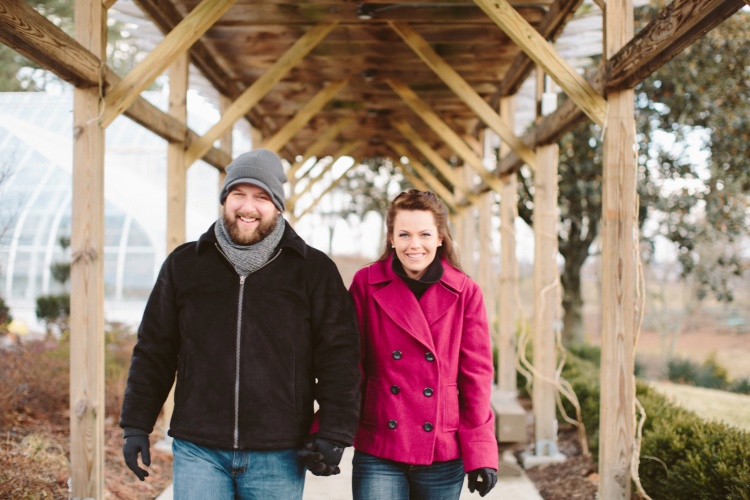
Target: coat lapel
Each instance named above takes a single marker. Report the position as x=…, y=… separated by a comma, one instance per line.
x=437, y=301
x=400, y=304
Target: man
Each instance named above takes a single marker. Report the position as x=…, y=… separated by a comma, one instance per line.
x=257, y=325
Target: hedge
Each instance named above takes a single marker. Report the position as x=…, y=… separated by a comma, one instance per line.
x=682, y=455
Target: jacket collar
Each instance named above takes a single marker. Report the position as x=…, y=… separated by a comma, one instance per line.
x=290, y=239
x=382, y=271
x=415, y=317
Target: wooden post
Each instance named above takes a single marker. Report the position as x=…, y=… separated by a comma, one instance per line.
x=87, y=270
x=508, y=289
x=619, y=252
x=226, y=143
x=176, y=173
x=485, y=271
x=176, y=192
x=468, y=228
x=457, y=222
x=546, y=299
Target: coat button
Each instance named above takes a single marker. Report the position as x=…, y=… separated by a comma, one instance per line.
x=397, y=354
x=428, y=392
x=395, y=389
x=427, y=426
x=392, y=424
x=430, y=357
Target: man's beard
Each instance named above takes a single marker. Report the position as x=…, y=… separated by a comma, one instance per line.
x=239, y=238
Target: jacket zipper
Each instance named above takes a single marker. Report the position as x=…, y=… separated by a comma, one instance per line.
x=236, y=435
x=237, y=367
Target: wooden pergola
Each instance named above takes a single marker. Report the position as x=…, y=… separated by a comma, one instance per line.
x=417, y=81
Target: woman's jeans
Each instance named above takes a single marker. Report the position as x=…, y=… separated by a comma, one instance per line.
x=202, y=473
x=375, y=478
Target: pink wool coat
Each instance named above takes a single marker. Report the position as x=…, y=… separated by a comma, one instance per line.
x=427, y=369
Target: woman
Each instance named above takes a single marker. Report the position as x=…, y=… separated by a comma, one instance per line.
x=427, y=365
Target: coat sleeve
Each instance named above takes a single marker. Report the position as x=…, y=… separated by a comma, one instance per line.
x=476, y=431
x=154, y=361
x=335, y=356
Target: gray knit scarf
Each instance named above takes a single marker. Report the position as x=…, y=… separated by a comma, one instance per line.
x=248, y=258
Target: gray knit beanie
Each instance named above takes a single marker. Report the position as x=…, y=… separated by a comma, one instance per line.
x=259, y=167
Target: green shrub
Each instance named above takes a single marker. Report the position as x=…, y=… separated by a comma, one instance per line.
x=682, y=456
x=693, y=458
x=740, y=386
x=682, y=371
x=710, y=374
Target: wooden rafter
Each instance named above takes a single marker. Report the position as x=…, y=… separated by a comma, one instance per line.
x=568, y=114
x=424, y=173
x=304, y=115
x=260, y=88
x=52, y=49
x=463, y=90
x=545, y=55
x=411, y=177
x=345, y=150
x=177, y=41
x=549, y=28
x=329, y=188
x=676, y=26
x=165, y=16
x=445, y=132
x=320, y=143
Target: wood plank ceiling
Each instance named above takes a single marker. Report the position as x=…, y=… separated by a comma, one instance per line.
x=365, y=51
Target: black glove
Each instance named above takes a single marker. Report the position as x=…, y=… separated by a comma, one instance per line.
x=482, y=480
x=136, y=441
x=322, y=457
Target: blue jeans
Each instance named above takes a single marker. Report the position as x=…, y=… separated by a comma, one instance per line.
x=375, y=478
x=202, y=473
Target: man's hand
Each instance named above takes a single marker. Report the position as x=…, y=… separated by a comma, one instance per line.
x=322, y=457
x=136, y=441
x=482, y=480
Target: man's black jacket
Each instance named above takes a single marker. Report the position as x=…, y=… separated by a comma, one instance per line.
x=247, y=352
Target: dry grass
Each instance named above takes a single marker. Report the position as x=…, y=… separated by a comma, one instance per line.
x=709, y=404
x=34, y=424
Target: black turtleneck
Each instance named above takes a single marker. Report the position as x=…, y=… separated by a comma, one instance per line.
x=432, y=275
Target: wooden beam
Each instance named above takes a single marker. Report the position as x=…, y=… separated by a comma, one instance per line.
x=445, y=132
x=619, y=273
x=424, y=173
x=35, y=37
x=675, y=27
x=620, y=67
x=345, y=150
x=549, y=28
x=304, y=115
x=320, y=144
x=327, y=190
x=177, y=41
x=87, y=403
x=463, y=90
x=413, y=178
x=260, y=88
x=432, y=156
x=545, y=55
x=166, y=16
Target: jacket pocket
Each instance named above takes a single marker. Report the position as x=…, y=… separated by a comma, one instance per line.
x=371, y=406
x=450, y=407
